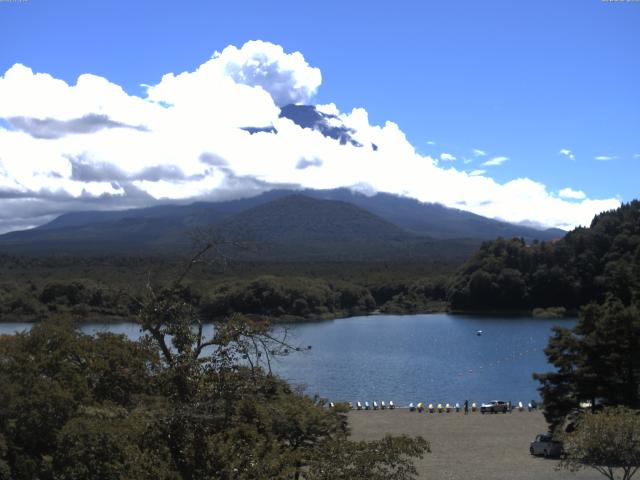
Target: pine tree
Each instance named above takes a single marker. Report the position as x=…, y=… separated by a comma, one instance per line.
x=598, y=361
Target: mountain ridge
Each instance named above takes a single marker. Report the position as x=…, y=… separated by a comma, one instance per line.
x=410, y=214
x=329, y=223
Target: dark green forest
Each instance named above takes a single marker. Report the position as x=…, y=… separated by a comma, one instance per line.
x=586, y=266
x=101, y=288
x=597, y=269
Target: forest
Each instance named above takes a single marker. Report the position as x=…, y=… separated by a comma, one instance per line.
x=585, y=266
x=100, y=288
x=591, y=394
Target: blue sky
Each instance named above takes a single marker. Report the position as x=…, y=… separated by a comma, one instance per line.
x=522, y=80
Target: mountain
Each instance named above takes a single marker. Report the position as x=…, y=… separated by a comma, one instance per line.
x=430, y=219
x=309, y=224
x=286, y=228
x=308, y=116
x=435, y=220
x=298, y=227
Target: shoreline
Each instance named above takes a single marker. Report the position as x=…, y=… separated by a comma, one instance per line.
x=291, y=319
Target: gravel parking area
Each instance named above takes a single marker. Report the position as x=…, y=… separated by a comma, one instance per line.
x=469, y=447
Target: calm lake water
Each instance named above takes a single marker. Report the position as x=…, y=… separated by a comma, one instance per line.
x=411, y=358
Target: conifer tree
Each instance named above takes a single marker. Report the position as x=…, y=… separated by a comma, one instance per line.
x=598, y=361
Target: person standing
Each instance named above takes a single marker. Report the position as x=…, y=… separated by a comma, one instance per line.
x=466, y=407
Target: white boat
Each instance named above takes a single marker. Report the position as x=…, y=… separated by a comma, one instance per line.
x=332, y=405
x=439, y=408
x=474, y=407
x=382, y=405
x=447, y=408
x=412, y=407
x=420, y=407
x=520, y=406
x=457, y=407
x=375, y=405
x=359, y=405
x=366, y=405
x=391, y=405
x=478, y=332
x=431, y=408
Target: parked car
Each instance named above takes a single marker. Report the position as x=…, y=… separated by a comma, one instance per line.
x=544, y=444
x=494, y=406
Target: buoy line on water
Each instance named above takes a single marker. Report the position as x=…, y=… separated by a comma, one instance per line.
x=501, y=361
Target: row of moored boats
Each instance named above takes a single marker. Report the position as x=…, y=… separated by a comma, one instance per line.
x=373, y=405
x=422, y=407
x=447, y=407
x=439, y=408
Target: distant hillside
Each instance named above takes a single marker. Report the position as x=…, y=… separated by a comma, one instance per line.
x=339, y=224
x=585, y=266
x=291, y=228
x=429, y=219
x=195, y=214
x=298, y=227
x=433, y=219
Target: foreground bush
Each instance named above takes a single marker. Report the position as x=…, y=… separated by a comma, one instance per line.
x=175, y=405
x=607, y=441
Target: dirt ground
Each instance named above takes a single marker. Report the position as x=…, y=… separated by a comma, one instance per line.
x=469, y=447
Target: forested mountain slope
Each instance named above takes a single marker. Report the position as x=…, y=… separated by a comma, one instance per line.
x=433, y=219
x=585, y=266
x=167, y=227
x=294, y=227
x=300, y=228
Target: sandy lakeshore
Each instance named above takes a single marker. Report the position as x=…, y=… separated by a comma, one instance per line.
x=471, y=447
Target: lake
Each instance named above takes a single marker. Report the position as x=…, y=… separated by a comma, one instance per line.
x=435, y=358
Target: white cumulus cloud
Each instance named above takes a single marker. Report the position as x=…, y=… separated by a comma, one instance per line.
x=572, y=194
x=447, y=157
x=605, y=158
x=495, y=161
x=90, y=145
x=567, y=153
x=479, y=153
x=287, y=77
